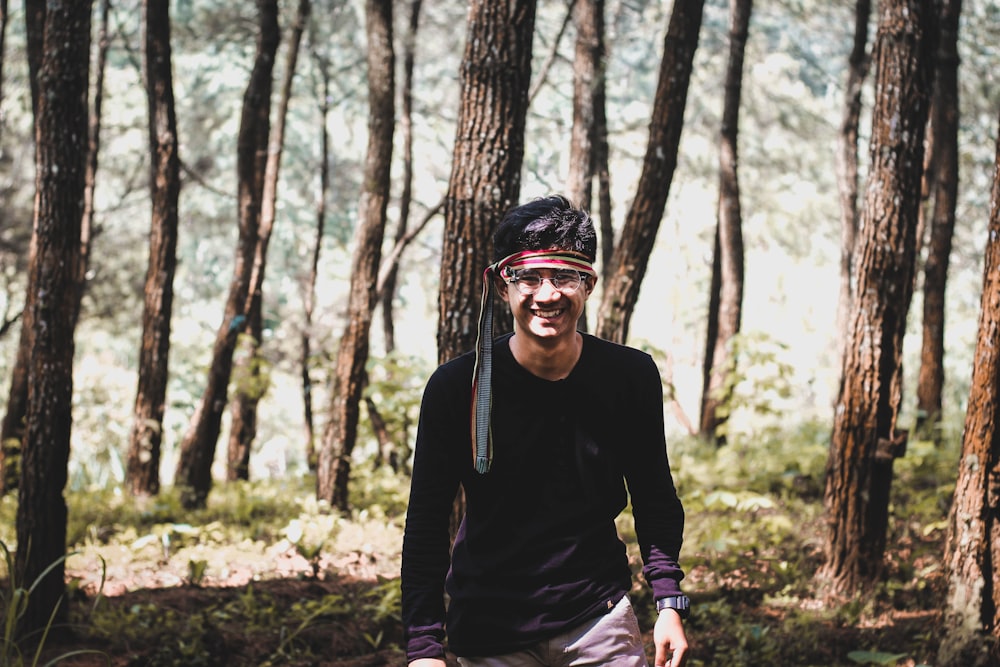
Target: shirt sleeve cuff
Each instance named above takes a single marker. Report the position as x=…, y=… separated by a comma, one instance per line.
x=666, y=587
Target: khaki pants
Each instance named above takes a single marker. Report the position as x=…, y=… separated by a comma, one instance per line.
x=611, y=640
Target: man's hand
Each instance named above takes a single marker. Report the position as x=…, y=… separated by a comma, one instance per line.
x=668, y=636
x=428, y=662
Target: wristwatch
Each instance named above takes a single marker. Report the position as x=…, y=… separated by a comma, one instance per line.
x=679, y=603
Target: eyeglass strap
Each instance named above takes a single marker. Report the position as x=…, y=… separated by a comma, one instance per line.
x=482, y=375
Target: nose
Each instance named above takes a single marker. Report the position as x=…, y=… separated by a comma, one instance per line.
x=546, y=291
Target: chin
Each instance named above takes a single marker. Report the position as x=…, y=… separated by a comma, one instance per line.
x=548, y=330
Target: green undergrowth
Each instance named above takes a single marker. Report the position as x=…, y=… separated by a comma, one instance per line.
x=753, y=543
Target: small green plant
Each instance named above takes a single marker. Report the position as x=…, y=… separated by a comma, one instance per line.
x=309, y=536
x=14, y=604
x=196, y=571
x=385, y=600
x=311, y=614
x=875, y=658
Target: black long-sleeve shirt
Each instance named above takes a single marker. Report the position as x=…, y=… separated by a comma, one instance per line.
x=537, y=552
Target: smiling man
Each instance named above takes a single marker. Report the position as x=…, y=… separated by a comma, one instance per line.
x=549, y=432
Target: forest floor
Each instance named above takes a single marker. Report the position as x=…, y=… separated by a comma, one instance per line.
x=899, y=632
x=266, y=577
x=894, y=634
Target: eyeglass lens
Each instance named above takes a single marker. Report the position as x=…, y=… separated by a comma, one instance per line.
x=529, y=282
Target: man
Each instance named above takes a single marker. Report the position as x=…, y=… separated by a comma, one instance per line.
x=543, y=429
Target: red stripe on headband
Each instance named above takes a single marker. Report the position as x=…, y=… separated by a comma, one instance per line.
x=555, y=259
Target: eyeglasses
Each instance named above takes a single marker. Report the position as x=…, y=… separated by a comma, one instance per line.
x=530, y=281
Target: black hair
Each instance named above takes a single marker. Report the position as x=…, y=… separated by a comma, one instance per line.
x=543, y=223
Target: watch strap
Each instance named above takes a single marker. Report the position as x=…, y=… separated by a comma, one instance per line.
x=679, y=603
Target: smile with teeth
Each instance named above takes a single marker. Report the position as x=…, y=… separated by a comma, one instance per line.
x=548, y=313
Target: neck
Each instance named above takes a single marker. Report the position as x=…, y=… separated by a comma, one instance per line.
x=549, y=362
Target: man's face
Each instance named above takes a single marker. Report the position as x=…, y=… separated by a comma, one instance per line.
x=550, y=314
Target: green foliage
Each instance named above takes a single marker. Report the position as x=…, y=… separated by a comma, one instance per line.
x=196, y=571
x=251, y=371
x=870, y=658
x=395, y=386
x=379, y=493
x=383, y=605
x=14, y=601
x=192, y=637
x=757, y=385
x=753, y=541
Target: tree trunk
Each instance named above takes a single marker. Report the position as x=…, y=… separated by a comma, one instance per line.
x=249, y=385
x=603, y=172
x=486, y=163
x=34, y=33
x=388, y=295
x=386, y=447
x=729, y=238
x=194, y=467
x=588, y=15
x=252, y=382
x=146, y=438
x=309, y=295
x=588, y=65
x=486, y=166
x=943, y=177
x=631, y=255
x=340, y=435
x=707, y=431
x=87, y=231
x=60, y=165
x=864, y=439
x=847, y=165
x=972, y=546
x=12, y=428
x=4, y=14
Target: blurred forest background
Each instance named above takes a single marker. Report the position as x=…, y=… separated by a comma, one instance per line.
x=785, y=387
x=792, y=97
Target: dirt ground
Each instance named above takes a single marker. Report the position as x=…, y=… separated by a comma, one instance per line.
x=342, y=646
x=285, y=578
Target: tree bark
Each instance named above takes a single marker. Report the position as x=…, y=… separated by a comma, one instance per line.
x=707, y=431
x=60, y=165
x=631, y=255
x=4, y=15
x=486, y=166
x=146, y=437
x=34, y=32
x=971, y=631
x=588, y=65
x=309, y=293
x=194, y=467
x=943, y=177
x=388, y=295
x=340, y=435
x=603, y=173
x=251, y=380
x=729, y=239
x=87, y=230
x=486, y=163
x=588, y=61
x=12, y=428
x=865, y=439
x=847, y=164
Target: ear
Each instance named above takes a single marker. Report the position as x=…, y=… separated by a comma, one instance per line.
x=500, y=287
x=589, y=283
